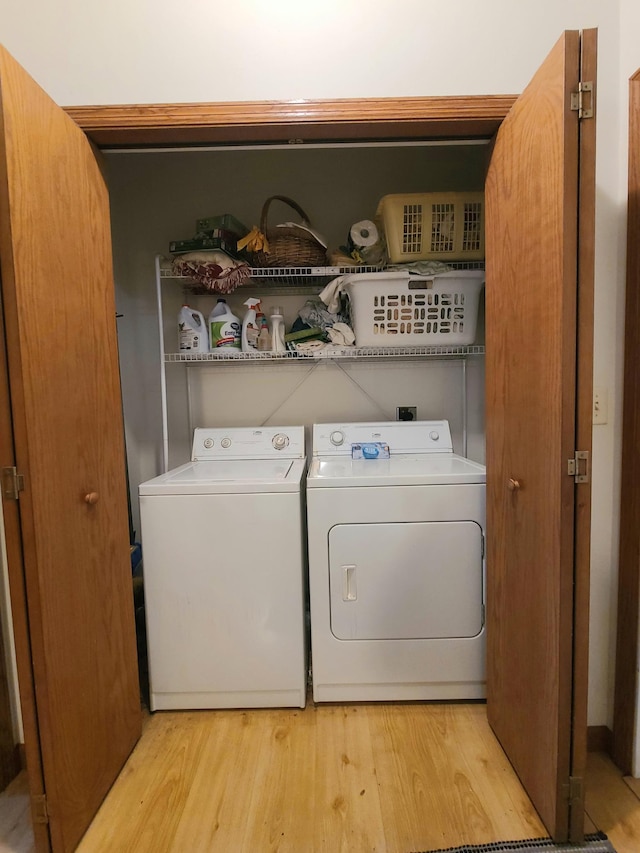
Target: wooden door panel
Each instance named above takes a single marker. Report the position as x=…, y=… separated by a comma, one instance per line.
x=20, y=623
x=59, y=309
x=531, y=292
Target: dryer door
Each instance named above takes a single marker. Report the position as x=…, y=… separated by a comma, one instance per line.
x=410, y=580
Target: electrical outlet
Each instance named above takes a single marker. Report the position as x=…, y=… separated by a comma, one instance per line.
x=600, y=406
x=406, y=413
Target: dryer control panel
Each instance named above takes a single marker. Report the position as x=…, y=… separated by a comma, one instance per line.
x=401, y=436
x=211, y=443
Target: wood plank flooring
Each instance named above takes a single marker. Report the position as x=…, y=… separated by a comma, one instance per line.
x=358, y=778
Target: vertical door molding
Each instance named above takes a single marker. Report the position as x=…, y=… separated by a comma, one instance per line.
x=625, y=700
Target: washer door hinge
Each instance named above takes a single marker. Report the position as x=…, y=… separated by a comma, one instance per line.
x=578, y=467
x=39, y=808
x=12, y=483
x=582, y=100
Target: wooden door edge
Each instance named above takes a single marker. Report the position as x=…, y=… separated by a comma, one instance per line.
x=20, y=618
x=584, y=426
x=625, y=693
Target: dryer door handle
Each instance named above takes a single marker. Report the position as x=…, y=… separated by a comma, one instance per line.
x=349, y=590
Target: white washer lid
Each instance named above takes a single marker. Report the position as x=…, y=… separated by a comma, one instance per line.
x=228, y=476
x=406, y=469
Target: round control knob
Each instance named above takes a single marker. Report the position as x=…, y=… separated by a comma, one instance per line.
x=337, y=438
x=226, y=442
x=433, y=435
x=280, y=441
x=208, y=442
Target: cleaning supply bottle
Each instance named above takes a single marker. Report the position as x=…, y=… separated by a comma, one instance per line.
x=250, y=327
x=224, y=327
x=277, y=330
x=192, y=331
x=264, y=338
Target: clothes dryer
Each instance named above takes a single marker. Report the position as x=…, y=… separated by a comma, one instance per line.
x=396, y=564
x=224, y=573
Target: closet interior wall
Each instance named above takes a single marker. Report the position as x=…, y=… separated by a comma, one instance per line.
x=156, y=197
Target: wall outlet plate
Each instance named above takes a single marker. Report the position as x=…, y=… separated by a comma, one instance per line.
x=600, y=406
x=406, y=413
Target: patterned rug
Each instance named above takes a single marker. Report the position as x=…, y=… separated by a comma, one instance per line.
x=596, y=843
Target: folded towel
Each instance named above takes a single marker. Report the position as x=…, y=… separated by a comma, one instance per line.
x=212, y=270
x=331, y=294
x=341, y=334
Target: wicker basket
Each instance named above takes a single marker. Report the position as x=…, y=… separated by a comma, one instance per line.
x=288, y=247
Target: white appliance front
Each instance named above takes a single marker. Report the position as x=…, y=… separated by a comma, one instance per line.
x=224, y=577
x=417, y=580
x=396, y=568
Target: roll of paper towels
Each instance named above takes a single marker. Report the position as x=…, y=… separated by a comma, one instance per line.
x=363, y=234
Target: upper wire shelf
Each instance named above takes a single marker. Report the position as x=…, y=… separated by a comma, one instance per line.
x=299, y=277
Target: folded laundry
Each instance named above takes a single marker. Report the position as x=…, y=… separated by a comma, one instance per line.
x=212, y=270
x=316, y=314
x=341, y=334
x=331, y=294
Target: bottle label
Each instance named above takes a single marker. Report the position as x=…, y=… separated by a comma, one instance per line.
x=224, y=334
x=252, y=336
x=188, y=338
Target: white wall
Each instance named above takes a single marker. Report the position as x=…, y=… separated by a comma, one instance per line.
x=146, y=51
x=165, y=51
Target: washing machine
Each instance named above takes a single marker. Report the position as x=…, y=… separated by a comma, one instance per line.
x=396, y=525
x=225, y=573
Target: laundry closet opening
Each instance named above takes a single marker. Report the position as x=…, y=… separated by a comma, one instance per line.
x=156, y=197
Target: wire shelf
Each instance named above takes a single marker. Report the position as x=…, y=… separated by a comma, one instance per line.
x=296, y=277
x=342, y=353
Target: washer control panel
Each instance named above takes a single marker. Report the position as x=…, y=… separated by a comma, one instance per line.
x=401, y=436
x=247, y=443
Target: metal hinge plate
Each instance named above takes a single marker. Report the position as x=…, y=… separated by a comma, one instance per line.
x=39, y=808
x=12, y=483
x=574, y=790
x=582, y=100
x=578, y=467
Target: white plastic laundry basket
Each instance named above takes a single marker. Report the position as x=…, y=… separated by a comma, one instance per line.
x=397, y=309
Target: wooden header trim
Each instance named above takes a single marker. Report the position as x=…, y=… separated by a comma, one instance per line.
x=284, y=121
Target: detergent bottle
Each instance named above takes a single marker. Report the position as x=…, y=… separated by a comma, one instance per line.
x=224, y=327
x=277, y=330
x=192, y=331
x=251, y=326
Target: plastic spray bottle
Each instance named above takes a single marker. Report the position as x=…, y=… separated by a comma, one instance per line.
x=250, y=326
x=264, y=338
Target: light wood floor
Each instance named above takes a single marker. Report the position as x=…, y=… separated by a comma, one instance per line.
x=358, y=778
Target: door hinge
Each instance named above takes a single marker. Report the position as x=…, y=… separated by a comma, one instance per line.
x=39, y=808
x=578, y=467
x=582, y=100
x=12, y=483
x=574, y=790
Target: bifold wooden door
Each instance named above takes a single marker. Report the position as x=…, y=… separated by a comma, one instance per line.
x=65, y=402
x=68, y=525
x=539, y=327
